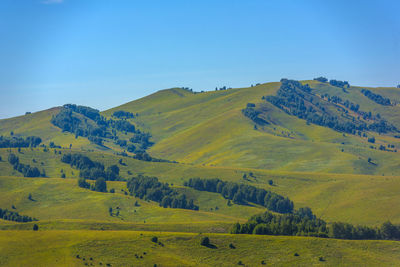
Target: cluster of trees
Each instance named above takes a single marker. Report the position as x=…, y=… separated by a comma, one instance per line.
x=89, y=112
x=146, y=157
x=122, y=125
x=142, y=138
x=138, y=143
x=53, y=145
x=121, y=114
x=302, y=223
x=69, y=120
x=242, y=193
x=223, y=88
x=25, y=169
x=376, y=97
x=297, y=99
x=150, y=188
x=90, y=169
x=380, y=125
x=189, y=89
x=321, y=79
x=87, y=122
x=341, y=84
x=338, y=100
x=10, y=142
x=99, y=185
x=14, y=216
x=348, y=231
x=253, y=114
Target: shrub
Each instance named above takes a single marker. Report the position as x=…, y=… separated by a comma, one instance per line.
x=205, y=241
x=154, y=239
x=35, y=227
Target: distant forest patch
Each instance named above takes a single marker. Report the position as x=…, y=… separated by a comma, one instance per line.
x=376, y=97
x=332, y=112
x=304, y=223
x=149, y=188
x=88, y=122
x=14, y=216
x=242, y=193
x=12, y=142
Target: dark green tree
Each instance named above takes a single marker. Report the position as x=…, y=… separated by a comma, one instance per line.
x=100, y=185
x=205, y=241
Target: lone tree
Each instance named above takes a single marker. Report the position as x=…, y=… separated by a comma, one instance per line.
x=154, y=239
x=205, y=241
x=35, y=227
x=100, y=185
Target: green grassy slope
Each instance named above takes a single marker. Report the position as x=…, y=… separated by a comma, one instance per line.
x=38, y=124
x=209, y=128
x=210, y=137
x=118, y=248
x=62, y=199
x=359, y=199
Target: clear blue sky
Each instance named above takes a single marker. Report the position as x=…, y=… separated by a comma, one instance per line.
x=105, y=53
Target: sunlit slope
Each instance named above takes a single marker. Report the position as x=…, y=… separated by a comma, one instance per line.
x=353, y=94
x=357, y=199
x=118, y=248
x=209, y=128
x=38, y=124
x=62, y=199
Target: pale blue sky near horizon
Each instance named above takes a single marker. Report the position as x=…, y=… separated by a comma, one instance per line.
x=106, y=53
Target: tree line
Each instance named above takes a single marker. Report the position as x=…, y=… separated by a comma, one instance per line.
x=149, y=188
x=121, y=114
x=90, y=169
x=303, y=223
x=297, y=99
x=321, y=79
x=25, y=169
x=14, y=216
x=11, y=142
x=376, y=97
x=242, y=193
x=341, y=84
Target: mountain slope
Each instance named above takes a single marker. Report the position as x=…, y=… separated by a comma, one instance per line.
x=210, y=128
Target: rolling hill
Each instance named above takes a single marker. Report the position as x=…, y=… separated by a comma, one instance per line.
x=328, y=146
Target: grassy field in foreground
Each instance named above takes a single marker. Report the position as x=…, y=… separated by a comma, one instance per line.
x=56, y=199
x=357, y=199
x=118, y=248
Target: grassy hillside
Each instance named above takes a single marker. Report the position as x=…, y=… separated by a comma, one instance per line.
x=38, y=124
x=118, y=248
x=358, y=199
x=338, y=175
x=209, y=128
